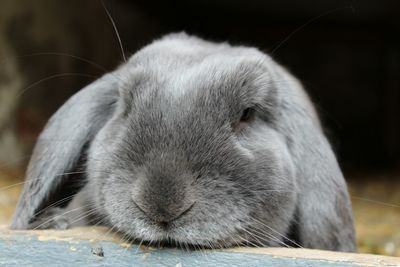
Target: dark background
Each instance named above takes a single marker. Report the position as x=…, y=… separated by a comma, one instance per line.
x=346, y=53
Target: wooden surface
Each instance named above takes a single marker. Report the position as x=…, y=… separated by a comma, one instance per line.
x=98, y=247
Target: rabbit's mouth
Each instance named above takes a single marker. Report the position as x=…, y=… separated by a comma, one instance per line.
x=188, y=246
x=177, y=235
x=196, y=245
x=191, y=245
x=187, y=238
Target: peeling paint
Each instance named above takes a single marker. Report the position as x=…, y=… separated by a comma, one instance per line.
x=21, y=248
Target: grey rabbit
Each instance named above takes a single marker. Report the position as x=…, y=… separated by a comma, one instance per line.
x=194, y=142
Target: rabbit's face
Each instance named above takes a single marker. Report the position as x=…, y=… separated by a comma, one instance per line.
x=193, y=143
x=187, y=157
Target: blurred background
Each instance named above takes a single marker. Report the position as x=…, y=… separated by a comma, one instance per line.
x=346, y=53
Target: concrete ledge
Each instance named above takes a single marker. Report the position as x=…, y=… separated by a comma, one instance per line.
x=98, y=247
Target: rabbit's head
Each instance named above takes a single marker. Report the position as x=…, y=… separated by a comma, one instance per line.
x=197, y=143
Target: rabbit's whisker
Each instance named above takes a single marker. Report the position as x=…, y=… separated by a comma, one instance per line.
x=18, y=184
x=52, y=77
x=329, y=12
x=377, y=202
x=94, y=64
x=59, y=215
x=36, y=179
x=270, y=228
x=270, y=236
x=115, y=29
x=247, y=241
x=54, y=204
x=85, y=215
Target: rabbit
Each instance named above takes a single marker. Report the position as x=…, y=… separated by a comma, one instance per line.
x=191, y=142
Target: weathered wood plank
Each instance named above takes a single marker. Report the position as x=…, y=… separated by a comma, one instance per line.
x=75, y=248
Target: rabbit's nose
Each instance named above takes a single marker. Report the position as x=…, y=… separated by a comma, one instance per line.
x=163, y=192
x=163, y=213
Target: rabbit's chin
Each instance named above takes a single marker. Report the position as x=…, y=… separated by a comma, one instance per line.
x=187, y=240
x=172, y=235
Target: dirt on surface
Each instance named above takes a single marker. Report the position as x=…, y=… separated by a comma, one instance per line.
x=376, y=207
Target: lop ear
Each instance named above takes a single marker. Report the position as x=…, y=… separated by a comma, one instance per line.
x=323, y=216
x=61, y=144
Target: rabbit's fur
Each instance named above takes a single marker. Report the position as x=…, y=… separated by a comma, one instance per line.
x=168, y=158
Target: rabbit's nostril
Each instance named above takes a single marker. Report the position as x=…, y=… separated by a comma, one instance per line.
x=163, y=225
x=163, y=214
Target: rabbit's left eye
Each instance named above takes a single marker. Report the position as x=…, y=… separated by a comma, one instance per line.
x=247, y=115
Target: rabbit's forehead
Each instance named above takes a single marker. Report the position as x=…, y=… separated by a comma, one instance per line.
x=196, y=81
x=189, y=75
x=208, y=87
x=218, y=76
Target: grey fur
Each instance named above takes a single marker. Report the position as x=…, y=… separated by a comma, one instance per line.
x=167, y=162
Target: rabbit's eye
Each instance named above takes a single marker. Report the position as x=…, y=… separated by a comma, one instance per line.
x=247, y=115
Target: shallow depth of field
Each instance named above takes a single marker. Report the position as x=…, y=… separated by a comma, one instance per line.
x=347, y=55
